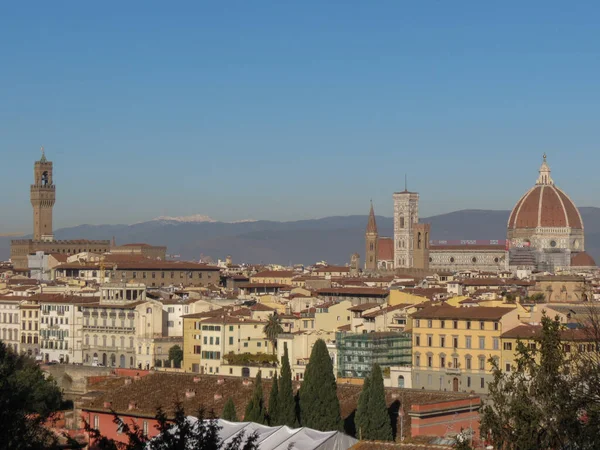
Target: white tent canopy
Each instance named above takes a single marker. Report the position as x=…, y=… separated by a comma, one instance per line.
x=283, y=438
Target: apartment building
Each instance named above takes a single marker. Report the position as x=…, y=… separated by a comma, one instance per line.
x=61, y=327
x=452, y=346
x=30, y=323
x=208, y=338
x=10, y=324
x=119, y=330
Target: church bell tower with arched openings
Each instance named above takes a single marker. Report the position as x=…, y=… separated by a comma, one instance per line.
x=43, y=197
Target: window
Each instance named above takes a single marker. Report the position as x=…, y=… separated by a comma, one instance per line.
x=442, y=341
x=508, y=367
x=482, y=342
x=482, y=325
x=205, y=340
x=417, y=323
x=531, y=346
x=455, y=324
x=211, y=340
x=429, y=323
x=429, y=380
x=231, y=340
x=230, y=327
x=468, y=342
x=417, y=360
x=429, y=341
x=442, y=324
x=417, y=341
x=508, y=346
x=259, y=344
x=217, y=340
x=496, y=326
x=481, y=363
x=442, y=361
x=496, y=343
x=482, y=383
x=468, y=324
x=145, y=428
x=430, y=361
x=468, y=362
x=245, y=344
x=468, y=382
x=96, y=421
x=455, y=341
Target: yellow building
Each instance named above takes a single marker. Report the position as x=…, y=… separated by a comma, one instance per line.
x=208, y=338
x=417, y=295
x=451, y=346
x=573, y=340
x=273, y=277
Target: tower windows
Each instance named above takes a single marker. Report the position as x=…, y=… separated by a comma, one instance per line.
x=401, y=221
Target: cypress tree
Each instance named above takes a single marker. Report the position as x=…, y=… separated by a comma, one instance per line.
x=378, y=426
x=255, y=410
x=274, y=403
x=286, y=403
x=229, y=411
x=361, y=418
x=319, y=404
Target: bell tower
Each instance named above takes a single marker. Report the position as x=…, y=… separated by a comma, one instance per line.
x=43, y=196
x=372, y=242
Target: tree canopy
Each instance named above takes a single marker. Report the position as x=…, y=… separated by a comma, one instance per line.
x=287, y=403
x=229, y=412
x=255, y=410
x=274, y=402
x=272, y=329
x=175, y=432
x=551, y=397
x=27, y=400
x=176, y=355
x=319, y=404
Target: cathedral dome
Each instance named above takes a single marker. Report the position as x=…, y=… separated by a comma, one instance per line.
x=545, y=206
x=582, y=259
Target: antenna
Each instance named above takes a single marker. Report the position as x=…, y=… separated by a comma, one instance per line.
x=406, y=182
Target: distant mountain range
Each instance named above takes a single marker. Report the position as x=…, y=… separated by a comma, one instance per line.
x=332, y=239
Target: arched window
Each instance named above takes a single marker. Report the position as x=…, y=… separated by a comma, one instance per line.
x=419, y=237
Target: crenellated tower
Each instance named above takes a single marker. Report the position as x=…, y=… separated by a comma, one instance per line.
x=43, y=197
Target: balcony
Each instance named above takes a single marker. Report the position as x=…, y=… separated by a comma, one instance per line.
x=108, y=349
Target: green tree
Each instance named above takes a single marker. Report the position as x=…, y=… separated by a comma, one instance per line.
x=229, y=412
x=361, y=417
x=287, y=403
x=176, y=355
x=274, y=402
x=255, y=410
x=319, y=404
x=547, y=400
x=272, y=329
x=27, y=400
x=175, y=432
x=463, y=441
x=378, y=426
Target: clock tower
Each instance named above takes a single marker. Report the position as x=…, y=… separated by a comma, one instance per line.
x=43, y=196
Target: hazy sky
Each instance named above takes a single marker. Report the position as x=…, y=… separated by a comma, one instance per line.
x=291, y=110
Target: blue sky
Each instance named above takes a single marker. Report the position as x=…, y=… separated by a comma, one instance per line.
x=292, y=110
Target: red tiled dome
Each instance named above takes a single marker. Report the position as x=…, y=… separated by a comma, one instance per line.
x=545, y=205
x=582, y=259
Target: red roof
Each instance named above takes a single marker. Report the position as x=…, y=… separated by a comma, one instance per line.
x=545, y=205
x=582, y=259
x=385, y=249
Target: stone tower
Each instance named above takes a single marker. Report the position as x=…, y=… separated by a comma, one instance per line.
x=406, y=216
x=43, y=196
x=371, y=240
x=420, y=240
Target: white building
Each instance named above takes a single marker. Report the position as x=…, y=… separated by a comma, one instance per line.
x=61, y=328
x=9, y=322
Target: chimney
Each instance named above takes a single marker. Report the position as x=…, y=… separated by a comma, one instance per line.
x=247, y=382
x=220, y=381
x=132, y=405
x=218, y=397
x=196, y=379
x=107, y=404
x=127, y=380
x=190, y=393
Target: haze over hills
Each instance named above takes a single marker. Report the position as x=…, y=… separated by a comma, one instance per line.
x=332, y=239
